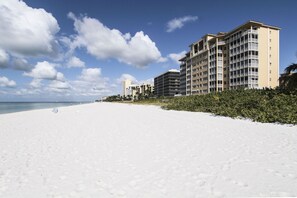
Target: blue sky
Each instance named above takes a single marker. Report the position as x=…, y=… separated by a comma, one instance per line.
x=73, y=50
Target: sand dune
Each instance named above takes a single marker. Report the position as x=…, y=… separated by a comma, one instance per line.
x=121, y=150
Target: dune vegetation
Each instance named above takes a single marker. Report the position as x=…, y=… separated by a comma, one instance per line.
x=258, y=105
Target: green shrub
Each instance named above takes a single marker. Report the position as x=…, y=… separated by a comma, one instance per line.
x=265, y=105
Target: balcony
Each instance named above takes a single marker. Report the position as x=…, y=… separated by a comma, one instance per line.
x=221, y=43
x=250, y=31
x=253, y=40
x=238, y=75
x=253, y=73
x=253, y=57
x=253, y=65
x=255, y=48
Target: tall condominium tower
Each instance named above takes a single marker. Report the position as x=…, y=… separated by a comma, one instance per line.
x=246, y=57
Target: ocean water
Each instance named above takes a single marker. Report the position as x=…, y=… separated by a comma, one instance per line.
x=11, y=107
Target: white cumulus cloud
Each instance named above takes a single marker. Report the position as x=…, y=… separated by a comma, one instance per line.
x=125, y=77
x=27, y=92
x=25, y=30
x=162, y=60
x=55, y=84
x=103, y=43
x=177, y=56
x=178, y=23
x=90, y=83
x=147, y=81
x=134, y=80
x=5, y=82
x=21, y=64
x=36, y=83
x=13, y=62
x=75, y=62
x=45, y=70
x=91, y=74
x=4, y=59
x=60, y=77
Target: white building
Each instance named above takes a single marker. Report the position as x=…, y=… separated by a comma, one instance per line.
x=133, y=90
x=126, y=84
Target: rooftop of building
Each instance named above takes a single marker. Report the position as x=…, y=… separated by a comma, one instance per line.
x=169, y=71
x=255, y=23
x=246, y=24
x=223, y=34
x=173, y=70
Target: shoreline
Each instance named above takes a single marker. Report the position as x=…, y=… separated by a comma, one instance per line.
x=46, y=105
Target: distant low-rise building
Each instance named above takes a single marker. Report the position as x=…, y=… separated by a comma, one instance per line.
x=167, y=84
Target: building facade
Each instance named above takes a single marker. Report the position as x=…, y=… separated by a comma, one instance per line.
x=126, y=84
x=134, y=90
x=246, y=57
x=167, y=84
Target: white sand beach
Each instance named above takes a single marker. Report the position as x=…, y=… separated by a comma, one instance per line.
x=122, y=150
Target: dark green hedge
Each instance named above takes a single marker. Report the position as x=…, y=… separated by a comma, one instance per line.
x=258, y=105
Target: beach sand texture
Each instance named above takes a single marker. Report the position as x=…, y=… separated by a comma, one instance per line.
x=122, y=150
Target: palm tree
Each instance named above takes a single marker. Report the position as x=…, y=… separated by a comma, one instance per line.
x=291, y=68
x=288, y=80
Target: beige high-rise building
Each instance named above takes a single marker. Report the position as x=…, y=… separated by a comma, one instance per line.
x=246, y=57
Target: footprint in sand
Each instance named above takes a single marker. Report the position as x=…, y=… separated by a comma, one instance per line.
x=203, y=175
x=238, y=183
x=73, y=194
x=121, y=193
x=80, y=187
x=225, y=167
x=241, y=184
x=276, y=173
x=163, y=191
x=270, y=170
x=111, y=190
x=218, y=194
x=2, y=189
x=284, y=194
x=101, y=184
x=227, y=179
x=63, y=177
x=200, y=183
x=292, y=176
x=132, y=183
